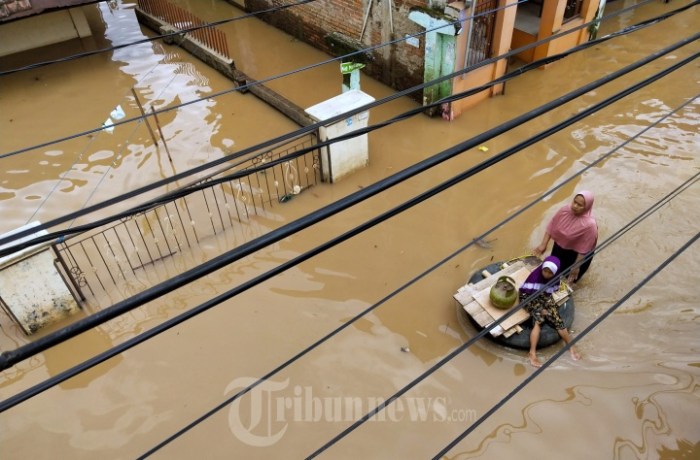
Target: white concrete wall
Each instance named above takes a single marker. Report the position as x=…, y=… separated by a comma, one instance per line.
x=41, y=30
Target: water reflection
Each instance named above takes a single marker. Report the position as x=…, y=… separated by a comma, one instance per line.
x=655, y=428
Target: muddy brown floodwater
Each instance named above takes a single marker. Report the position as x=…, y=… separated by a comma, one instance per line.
x=634, y=394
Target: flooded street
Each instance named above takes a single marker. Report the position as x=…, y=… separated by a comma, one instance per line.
x=634, y=394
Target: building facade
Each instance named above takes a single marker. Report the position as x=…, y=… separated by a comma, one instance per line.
x=30, y=24
x=402, y=43
x=429, y=39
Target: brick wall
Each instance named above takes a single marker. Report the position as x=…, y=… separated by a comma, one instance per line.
x=399, y=65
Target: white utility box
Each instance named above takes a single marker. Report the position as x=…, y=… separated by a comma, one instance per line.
x=343, y=157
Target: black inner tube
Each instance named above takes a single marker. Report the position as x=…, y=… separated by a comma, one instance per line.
x=548, y=335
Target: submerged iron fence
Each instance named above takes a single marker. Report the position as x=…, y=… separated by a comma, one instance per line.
x=209, y=37
x=127, y=256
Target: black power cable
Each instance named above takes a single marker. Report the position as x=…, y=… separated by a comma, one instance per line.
x=61, y=235
x=351, y=321
x=183, y=317
x=183, y=32
x=246, y=86
x=152, y=39
x=696, y=237
x=563, y=350
x=655, y=207
x=8, y=358
x=354, y=111
x=190, y=189
x=104, y=356
x=312, y=218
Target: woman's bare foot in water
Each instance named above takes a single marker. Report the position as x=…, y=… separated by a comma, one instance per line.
x=574, y=354
x=534, y=361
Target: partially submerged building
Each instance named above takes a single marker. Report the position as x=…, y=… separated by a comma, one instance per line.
x=30, y=24
x=403, y=43
x=429, y=39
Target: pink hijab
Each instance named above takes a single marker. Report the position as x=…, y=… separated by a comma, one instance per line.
x=570, y=231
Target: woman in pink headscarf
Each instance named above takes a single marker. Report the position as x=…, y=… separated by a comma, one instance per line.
x=575, y=233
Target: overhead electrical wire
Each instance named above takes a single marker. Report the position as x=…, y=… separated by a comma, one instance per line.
x=601, y=319
x=437, y=366
x=166, y=181
x=10, y=357
x=65, y=375
x=368, y=106
x=248, y=85
x=85, y=324
x=655, y=18
x=152, y=186
x=574, y=340
x=183, y=317
x=203, y=307
x=74, y=216
x=152, y=39
x=362, y=314
x=566, y=347
x=365, y=107
x=668, y=261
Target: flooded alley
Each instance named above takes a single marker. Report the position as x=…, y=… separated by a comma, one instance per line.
x=634, y=393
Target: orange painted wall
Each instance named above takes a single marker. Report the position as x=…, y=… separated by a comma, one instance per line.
x=473, y=79
x=521, y=39
x=552, y=23
x=568, y=41
x=503, y=34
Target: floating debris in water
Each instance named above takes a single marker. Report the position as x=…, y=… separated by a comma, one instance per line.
x=117, y=113
x=483, y=148
x=482, y=243
x=405, y=349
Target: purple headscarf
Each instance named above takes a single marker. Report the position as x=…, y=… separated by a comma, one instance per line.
x=536, y=280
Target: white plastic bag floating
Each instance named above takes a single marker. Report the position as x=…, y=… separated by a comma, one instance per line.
x=108, y=125
x=117, y=113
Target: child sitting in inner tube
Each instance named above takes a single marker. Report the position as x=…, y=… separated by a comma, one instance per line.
x=543, y=307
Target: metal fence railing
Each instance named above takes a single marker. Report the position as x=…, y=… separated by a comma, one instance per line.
x=209, y=37
x=132, y=252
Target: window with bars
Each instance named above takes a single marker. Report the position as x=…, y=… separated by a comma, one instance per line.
x=573, y=9
x=480, y=30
